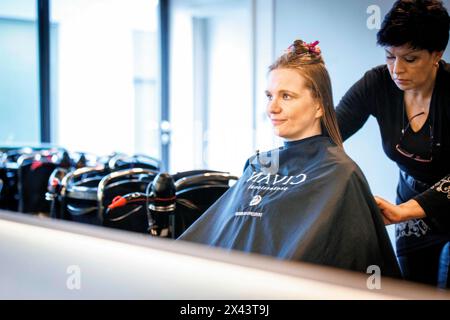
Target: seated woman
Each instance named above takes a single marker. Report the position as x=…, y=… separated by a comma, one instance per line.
x=307, y=201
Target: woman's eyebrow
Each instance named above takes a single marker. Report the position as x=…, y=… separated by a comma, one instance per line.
x=408, y=53
x=290, y=92
x=267, y=92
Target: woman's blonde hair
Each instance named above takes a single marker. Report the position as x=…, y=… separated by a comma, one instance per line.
x=307, y=59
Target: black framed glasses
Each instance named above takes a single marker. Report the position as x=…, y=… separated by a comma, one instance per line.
x=410, y=155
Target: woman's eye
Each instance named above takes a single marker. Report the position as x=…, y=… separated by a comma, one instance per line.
x=286, y=96
x=269, y=97
x=390, y=57
x=410, y=60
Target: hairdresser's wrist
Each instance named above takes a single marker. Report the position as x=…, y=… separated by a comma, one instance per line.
x=411, y=209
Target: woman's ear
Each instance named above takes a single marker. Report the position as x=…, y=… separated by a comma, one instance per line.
x=319, y=110
x=437, y=57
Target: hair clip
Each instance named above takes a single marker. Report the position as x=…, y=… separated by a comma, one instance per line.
x=311, y=48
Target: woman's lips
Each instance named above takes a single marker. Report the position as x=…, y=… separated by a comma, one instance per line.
x=277, y=122
x=402, y=81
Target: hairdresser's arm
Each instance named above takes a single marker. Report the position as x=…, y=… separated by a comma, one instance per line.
x=434, y=204
x=357, y=104
x=397, y=213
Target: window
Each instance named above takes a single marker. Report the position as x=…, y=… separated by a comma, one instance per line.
x=104, y=76
x=19, y=89
x=211, y=101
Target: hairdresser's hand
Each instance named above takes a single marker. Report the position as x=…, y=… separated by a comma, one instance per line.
x=397, y=213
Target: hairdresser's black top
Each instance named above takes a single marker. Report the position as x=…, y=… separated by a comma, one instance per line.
x=376, y=94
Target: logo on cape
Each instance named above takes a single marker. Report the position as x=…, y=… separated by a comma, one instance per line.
x=256, y=200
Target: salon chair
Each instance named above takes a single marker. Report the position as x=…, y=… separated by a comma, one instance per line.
x=33, y=173
x=82, y=192
x=9, y=197
x=122, y=161
x=174, y=202
x=3, y=188
x=195, y=194
x=132, y=217
x=77, y=198
x=26, y=172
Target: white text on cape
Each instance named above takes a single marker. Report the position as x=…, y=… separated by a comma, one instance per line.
x=273, y=180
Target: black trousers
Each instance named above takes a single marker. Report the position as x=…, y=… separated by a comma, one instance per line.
x=428, y=265
x=424, y=266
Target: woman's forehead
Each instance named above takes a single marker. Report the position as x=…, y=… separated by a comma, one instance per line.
x=285, y=79
x=403, y=50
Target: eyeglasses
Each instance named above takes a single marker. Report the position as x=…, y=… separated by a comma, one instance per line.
x=412, y=155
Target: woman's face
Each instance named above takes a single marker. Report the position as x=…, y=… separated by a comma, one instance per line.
x=293, y=111
x=411, y=69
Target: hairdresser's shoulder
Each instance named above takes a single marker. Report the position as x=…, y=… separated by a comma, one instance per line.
x=377, y=74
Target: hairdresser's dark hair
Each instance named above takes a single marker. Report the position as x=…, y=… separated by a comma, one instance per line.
x=423, y=24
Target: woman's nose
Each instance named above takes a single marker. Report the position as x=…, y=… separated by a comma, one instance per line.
x=273, y=107
x=398, y=67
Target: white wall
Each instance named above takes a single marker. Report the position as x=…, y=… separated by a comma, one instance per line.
x=181, y=88
x=230, y=96
x=225, y=138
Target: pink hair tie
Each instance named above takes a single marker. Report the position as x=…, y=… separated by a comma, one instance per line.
x=313, y=48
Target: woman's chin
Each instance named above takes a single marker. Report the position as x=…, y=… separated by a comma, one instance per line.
x=278, y=133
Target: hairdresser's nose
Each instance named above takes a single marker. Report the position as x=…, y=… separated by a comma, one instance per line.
x=398, y=67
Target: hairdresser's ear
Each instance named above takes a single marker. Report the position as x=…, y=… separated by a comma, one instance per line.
x=437, y=56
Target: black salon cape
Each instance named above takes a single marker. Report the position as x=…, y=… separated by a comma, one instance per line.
x=317, y=207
